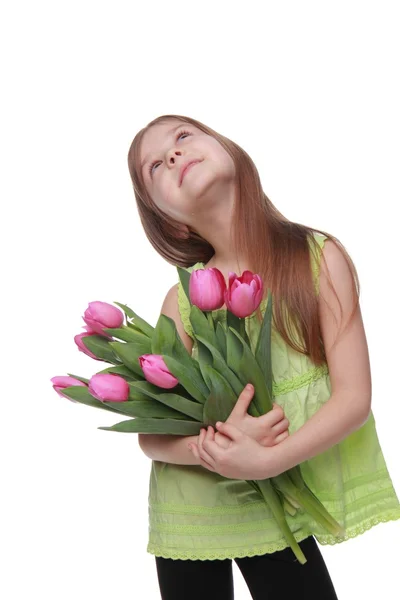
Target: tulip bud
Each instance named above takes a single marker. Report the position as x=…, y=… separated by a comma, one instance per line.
x=156, y=371
x=244, y=293
x=64, y=381
x=100, y=315
x=81, y=345
x=109, y=387
x=207, y=288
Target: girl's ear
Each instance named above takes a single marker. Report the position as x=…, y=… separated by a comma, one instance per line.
x=184, y=232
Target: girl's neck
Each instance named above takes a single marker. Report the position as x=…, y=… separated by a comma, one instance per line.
x=233, y=267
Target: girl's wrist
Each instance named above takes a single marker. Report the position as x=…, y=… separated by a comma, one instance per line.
x=269, y=458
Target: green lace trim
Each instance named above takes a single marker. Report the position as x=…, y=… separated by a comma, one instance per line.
x=187, y=509
x=289, y=385
x=249, y=526
x=269, y=548
x=245, y=507
x=352, y=532
x=225, y=529
x=238, y=552
x=355, y=482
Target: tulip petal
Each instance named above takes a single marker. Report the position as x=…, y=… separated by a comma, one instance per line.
x=207, y=288
x=156, y=371
x=106, y=386
x=61, y=382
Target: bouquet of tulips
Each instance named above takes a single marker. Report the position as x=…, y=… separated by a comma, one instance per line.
x=155, y=380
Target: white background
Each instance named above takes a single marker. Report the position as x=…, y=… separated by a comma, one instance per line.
x=311, y=91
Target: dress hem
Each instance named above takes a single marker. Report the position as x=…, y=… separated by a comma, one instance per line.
x=242, y=552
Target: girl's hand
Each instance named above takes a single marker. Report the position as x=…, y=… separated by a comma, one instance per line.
x=268, y=430
x=244, y=458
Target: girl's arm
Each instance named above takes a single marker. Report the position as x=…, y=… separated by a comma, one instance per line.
x=169, y=448
x=349, y=406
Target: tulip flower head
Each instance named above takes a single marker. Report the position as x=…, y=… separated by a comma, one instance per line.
x=244, y=293
x=156, y=371
x=100, y=315
x=81, y=345
x=207, y=288
x=64, y=381
x=109, y=387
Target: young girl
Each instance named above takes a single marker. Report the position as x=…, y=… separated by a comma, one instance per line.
x=201, y=203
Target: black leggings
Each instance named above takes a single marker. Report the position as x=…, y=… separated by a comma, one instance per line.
x=276, y=576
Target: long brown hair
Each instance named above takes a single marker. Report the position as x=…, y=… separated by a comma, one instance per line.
x=277, y=248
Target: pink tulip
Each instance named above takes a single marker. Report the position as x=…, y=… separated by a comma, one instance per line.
x=244, y=293
x=109, y=387
x=207, y=288
x=64, y=381
x=81, y=345
x=100, y=315
x=155, y=371
x=88, y=329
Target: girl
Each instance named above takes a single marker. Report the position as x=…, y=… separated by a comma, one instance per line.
x=201, y=203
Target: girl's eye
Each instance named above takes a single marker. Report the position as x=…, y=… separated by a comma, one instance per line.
x=178, y=135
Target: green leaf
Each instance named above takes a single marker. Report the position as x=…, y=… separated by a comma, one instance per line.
x=178, y=350
x=250, y=372
x=123, y=371
x=189, y=378
x=184, y=277
x=263, y=347
x=146, y=408
x=140, y=323
x=127, y=334
x=133, y=327
x=79, y=378
x=234, y=353
x=201, y=325
x=238, y=325
x=166, y=426
x=222, y=368
x=204, y=358
x=163, y=338
x=100, y=347
x=183, y=405
x=129, y=353
x=82, y=395
x=221, y=400
x=221, y=340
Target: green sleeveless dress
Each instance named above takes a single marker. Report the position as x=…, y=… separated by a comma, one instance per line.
x=195, y=513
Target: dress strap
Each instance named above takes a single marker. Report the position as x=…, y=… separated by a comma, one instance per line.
x=315, y=257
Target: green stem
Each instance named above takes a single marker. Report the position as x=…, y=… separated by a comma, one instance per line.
x=336, y=529
x=271, y=497
x=210, y=320
x=243, y=332
x=307, y=500
x=289, y=504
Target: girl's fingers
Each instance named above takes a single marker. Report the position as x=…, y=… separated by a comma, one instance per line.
x=281, y=426
x=204, y=455
x=204, y=464
x=281, y=437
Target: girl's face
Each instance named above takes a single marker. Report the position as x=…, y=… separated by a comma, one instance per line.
x=165, y=150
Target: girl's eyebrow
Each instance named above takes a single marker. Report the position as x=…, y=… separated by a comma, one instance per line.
x=149, y=155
